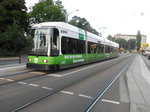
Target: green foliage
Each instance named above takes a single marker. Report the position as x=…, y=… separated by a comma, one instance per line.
x=47, y=11
x=13, y=11
x=127, y=45
x=132, y=44
x=138, y=37
x=14, y=25
x=111, y=38
x=83, y=24
x=58, y=3
x=11, y=31
x=122, y=43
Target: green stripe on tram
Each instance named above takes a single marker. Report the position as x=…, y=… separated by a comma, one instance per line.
x=81, y=34
x=69, y=59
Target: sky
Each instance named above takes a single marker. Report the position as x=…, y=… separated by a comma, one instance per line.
x=117, y=16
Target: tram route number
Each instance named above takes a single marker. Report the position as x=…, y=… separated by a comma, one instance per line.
x=63, y=31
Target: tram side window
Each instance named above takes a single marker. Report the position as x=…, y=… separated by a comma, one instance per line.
x=81, y=47
x=95, y=47
x=89, y=47
x=72, y=46
x=55, y=39
x=92, y=47
x=112, y=49
x=106, y=48
x=102, y=48
x=98, y=48
x=68, y=45
x=64, y=45
x=116, y=49
x=109, y=49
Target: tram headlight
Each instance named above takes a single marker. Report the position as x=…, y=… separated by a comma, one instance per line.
x=45, y=61
x=29, y=59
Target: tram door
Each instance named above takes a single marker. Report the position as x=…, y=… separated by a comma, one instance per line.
x=55, y=42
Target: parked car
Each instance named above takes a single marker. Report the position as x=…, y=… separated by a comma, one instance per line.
x=147, y=54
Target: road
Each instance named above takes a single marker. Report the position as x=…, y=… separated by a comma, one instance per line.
x=68, y=90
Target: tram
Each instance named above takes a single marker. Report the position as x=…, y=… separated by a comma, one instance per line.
x=60, y=45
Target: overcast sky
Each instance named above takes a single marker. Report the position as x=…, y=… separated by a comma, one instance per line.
x=119, y=16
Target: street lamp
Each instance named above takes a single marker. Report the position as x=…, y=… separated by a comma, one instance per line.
x=69, y=14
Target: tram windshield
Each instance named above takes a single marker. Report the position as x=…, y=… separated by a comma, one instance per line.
x=46, y=42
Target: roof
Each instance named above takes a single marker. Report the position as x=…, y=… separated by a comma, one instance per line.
x=70, y=27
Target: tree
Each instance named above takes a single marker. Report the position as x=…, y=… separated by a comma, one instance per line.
x=138, y=37
x=14, y=24
x=47, y=11
x=13, y=11
x=83, y=24
x=132, y=44
x=80, y=22
x=58, y=3
x=122, y=43
x=111, y=38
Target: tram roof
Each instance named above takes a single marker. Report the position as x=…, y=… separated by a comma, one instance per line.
x=67, y=26
x=54, y=24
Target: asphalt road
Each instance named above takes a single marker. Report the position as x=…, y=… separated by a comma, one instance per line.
x=70, y=90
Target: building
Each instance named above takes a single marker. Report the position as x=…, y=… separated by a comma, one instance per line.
x=128, y=37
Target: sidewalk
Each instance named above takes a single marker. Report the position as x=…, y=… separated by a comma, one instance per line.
x=11, y=62
x=8, y=58
x=138, y=80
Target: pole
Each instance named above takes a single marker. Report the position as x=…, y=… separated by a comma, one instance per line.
x=69, y=14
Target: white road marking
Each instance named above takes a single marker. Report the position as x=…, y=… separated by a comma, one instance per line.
x=111, y=101
x=81, y=69
x=67, y=92
x=118, y=75
x=85, y=96
x=12, y=67
x=22, y=83
x=10, y=80
x=55, y=75
x=34, y=85
x=47, y=88
x=2, y=78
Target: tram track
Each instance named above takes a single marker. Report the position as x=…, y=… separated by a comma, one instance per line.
x=108, y=86
x=17, y=73
x=63, y=87
x=20, y=76
x=99, y=96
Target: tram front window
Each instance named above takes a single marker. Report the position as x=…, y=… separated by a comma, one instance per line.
x=45, y=42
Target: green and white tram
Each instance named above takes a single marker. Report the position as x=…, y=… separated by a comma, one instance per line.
x=60, y=45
